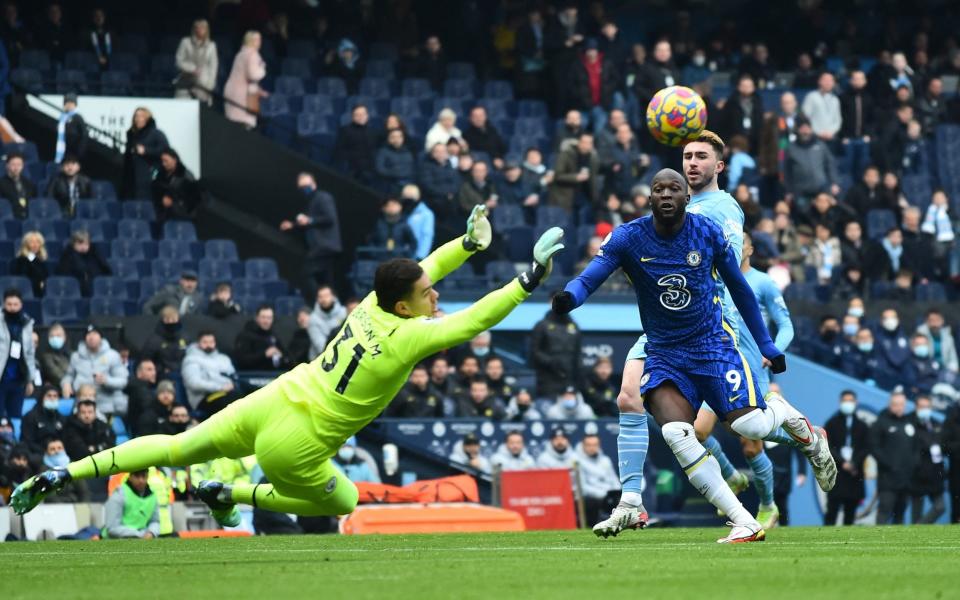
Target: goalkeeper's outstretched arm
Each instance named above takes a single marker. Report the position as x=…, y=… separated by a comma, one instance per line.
x=449, y=257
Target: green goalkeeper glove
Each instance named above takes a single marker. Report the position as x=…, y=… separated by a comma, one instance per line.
x=549, y=244
x=479, y=233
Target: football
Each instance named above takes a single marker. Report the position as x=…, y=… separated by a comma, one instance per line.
x=676, y=115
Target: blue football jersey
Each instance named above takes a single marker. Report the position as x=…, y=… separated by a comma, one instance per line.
x=721, y=208
x=772, y=307
x=674, y=280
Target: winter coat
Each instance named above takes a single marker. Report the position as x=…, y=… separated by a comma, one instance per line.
x=948, y=347
x=245, y=76
x=153, y=419
x=322, y=233
x=80, y=440
x=549, y=458
x=38, y=426
x=581, y=412
x=438, y=134
x=395, y=166
x=198, y=62
x=354, y=149
x=139, y=168
x=395, y=238
x=182, y=187
x=84, y=267
x=221, y=310
x=173, y=295
x=486, y=140
x=205, y=374
x=920, y=375
x=580, y=90
x=864, y=366
x=491, y=408
x=928, y=474
x=555, y=354
x=251, y=345
x=439, y=183
x=422, y=224
x=893, y=350
x=508, y=462
x=563, y=190
x=18, y=199
x=951, y=445
x=85, y=363
x=414, y=403
x=848, y=485
x=471, y=194
x=28, y=362
x=601, y=396
x=35, y=270
x=59, y=189
x=809, y=168
x=457, y=455
x=597, y=475
x=732, y=120
x=166, y=348
x=323, y=325
x=893, y=443
x=140, y=396
x=54, y=364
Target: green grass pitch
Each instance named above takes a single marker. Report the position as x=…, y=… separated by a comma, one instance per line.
x=807, y=563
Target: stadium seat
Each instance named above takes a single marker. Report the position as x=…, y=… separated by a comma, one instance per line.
x=43, y=208
x=800, y=291
x=309, y=124
x=27, y=149
x=249, y=287
x=497, y=110
x=455, y=104
x=102, y=306
x=406, y=106
x=167, y=269
x=332, y=86
x=127, y=248
x=133, y=229
x=217, y=270
x=60, y=310
x=81, y=60
x=296, y=67
x=880, y=290
x=519, y=241
x=531, y=127
x=111, y=287
x=116, y=83
x=288, y=86
x=498, y=89
x=35, y=59
x=287, y=306
x=302, y=49
x=262, y=269
x=99, y=210
x=363, y=272
x=175, y=250
x=506, y=216
x=500, y=271
x=6, y=211
x=150, y=285
x=220, y=250
x=532, y=108
x=100, y=231
x=127, y=269
x=461, y=70
x=321, y=104
x=138, y=209
x=127, y=62
x=879, y=222
x=71, y=80
x=551, y=216
x=59, y=286
x=51, y=230
x=274, y=105
x=31, y=80
x=180, y=230
x=18, y=282
x=459, y=88
x=416, y=88
x=380, y=69
x=930, y=292
x=384, y=51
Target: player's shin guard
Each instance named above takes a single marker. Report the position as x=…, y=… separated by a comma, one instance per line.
x=762, y=477
x=632, y=446
x=703, y=471
x=713, y=447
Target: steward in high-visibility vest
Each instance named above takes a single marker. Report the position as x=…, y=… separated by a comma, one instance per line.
x=132, y=510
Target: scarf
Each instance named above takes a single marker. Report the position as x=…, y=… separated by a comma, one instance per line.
x=937, y=222
x=107, y=44
x=893, y=253
x=62, y=135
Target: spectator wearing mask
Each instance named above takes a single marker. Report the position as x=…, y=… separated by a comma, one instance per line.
x=391, y=234
x=320, y=225
x=197, y=62
x=951, y=448
x=569, y=405
x=81, y=260
x=521, y=408
x=555, y=354
x=141, y=391
x=31, y=262
x=394, y=163
x=822, y=107
x=809, y=167
x=420, y=219
x=15, y=187
x=467, y=452
x=209, y=375
x=742, y=114
x=863, y=361
x=132, y=511
x=557, y=453
x=479, y=403
x=893, y=444
x=940, y=339
x=55, y=457
x=928, y=474
x=482, y=136
x=600, y=390
x=157, y=413
x=830, y=348
x=500, y=385
x=512, y=455
x=257, y=347
x=353, y=465
x=854, y=250
x=356, y=146
x=98, y=366
x=221, y=304
x=571, y=128
x=17, y=355
x=242, y=91
x=55, y=359
x=893, y=349
x=849, y=438
x=145, y=142
x=43, y=421
x=184, y=296
x=177, y=421
x=417, y=399
x=167, y=344
x=85, y=433
x=922, y=371
x=598, y=478
x=71, y=131
x=325, y=319
x=175, y=191
x=69, y=186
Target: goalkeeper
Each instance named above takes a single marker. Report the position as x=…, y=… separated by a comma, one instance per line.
x=298, y=422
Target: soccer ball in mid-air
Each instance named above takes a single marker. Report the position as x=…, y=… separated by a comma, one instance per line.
x=676, y=115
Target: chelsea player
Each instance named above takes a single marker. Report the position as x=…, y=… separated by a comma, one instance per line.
x=673, y=259
x=299, y=421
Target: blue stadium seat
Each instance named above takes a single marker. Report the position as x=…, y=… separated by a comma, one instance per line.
x=71, y=81
x=262, y=269
x=497, y=109
x=801, y=292
x=506, y=216
x=880, y=290
x=879, y=222
x=104, y=190
x=35, y=59
x=133, y=229
x=127, y=248
x=314, y=124
x=461, y=70
x=532, y=108
x=217, y=270
x=321, y=104
x=180, y=230
x=149, y=285
x=59, y=286
x=249, y=287
x=498, y=89
x=133, y=42
x=6, y=211
x=384, y=51
x=81, y=60
x=138, y=209
x=332, y=86
x=288, y=86
x=274, y=105
x=111, y=287
x=102, y=306
x=50, y=229
x=62, y=310
x=302, y=49
x=531, y=127
x=287, y=306
x=520, y=143
x=406, y=107
x=100, y=231
x=552, y=216
x=175, y=250
x=99, y=210
x=27, y=149
x=459, y=88
x=18, y=282
x=519, y=241
x=43, y=208
x=500, y=271
x=127, y=62
x=116, y=83
x=416, y=88
x=455, y=104
x=167, y=269
x=127, y=269
x=380, y=69
x=220, y=250
x=930, y=292
x=30, y=80
x=296, y=67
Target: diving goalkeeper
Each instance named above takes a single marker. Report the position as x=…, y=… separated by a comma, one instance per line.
x=295, y=424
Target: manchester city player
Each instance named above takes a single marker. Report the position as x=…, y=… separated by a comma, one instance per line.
x=673, y=259
x=299, y=421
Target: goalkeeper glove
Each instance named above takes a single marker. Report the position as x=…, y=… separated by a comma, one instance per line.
x=479, y=233
x=543, y=251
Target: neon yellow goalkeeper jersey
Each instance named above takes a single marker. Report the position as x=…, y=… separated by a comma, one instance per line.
x=370, y=359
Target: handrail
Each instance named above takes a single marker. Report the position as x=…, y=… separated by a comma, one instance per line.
x=117, y=142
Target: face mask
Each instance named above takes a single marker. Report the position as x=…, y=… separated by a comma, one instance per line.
x=11, y=315
x=850, y=329
x=481, y=351
x=924, y=413
x=209, y=350
x=56, y=342
x=891, y=324
x=855, y=311
x=60, y=459
x=51, y=404
x=7, y=436
x=865, y=346
x=171, y=327
x=307, y=190
x=848, y=408
x=922, y=351
x=699, y=60
x=347, y=453
x=829, y=335
x=570, y=404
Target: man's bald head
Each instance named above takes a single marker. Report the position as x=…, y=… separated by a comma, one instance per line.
x=668, y=175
